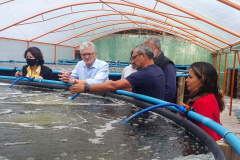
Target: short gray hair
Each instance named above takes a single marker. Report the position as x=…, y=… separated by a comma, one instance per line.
x=155, y=40
x=86, y=45
x=144, y=48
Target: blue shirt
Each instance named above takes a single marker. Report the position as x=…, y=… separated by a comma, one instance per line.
x=97, y=73
x=148, y=81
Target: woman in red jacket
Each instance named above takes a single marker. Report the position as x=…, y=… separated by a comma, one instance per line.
x=205, y=95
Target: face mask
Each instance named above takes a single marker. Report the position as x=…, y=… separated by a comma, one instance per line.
x=31, y=62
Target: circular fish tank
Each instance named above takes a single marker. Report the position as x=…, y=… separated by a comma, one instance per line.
x=42, y=123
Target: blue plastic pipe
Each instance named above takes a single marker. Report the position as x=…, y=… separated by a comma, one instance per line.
x=38, y=80
x=151, y=108
x=147, y=99
x=232, y=139
x=74, y=96
x=18, y=79
x=10, y=69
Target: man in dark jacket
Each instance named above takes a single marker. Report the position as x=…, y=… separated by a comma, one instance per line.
x=166, y=65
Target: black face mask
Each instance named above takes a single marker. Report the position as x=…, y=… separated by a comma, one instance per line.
x=31, y=62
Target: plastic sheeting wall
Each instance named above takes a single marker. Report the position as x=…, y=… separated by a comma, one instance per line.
x=115, y=48
x=120, y=47
x=14, y=50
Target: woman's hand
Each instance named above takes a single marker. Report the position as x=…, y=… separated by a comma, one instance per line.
x=18, y=74
x=39, y=77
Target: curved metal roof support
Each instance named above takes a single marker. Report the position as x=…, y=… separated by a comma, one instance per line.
x=96, y=29
x=231, y=4
x=203, y=39
x=6, y=2
x=183, y=23
x=14, y=39
x=200, y=18
x=224, y=76
x=130, y=5
x=152, y=19
x=130, y=22
x=119, y=12
x=100, y=37
x=72, y=23
x=47, y=19
x=159, y=31
x=232, y=86
x=54, y=9
x=231, y=45
x=33, y=41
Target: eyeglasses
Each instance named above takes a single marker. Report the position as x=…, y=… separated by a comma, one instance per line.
x=134, y=57
x=87, y=54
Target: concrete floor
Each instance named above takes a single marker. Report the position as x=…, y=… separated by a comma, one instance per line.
x=231, y=122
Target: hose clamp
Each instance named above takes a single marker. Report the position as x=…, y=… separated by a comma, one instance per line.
x=189, y=109
x=226, y=134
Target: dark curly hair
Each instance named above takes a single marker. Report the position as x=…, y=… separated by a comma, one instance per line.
x=207, y=74
x=36, y=52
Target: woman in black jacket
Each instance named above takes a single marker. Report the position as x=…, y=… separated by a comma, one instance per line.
x=35, y=67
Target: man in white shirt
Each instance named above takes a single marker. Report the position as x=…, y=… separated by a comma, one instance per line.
x=88, y=71
x=129, y=69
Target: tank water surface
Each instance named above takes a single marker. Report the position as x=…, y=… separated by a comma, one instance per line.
x=39, y=123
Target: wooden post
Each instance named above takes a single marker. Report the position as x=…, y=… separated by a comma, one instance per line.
x=215, y=61
x=233, y=76
x=228, y=81
x=180, y=90
x=238, y=58
x=238, y=84
x=219, y=68
x=55, y=53
x=224, y=76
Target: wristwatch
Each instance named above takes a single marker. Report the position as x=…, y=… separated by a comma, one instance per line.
x=86, y=88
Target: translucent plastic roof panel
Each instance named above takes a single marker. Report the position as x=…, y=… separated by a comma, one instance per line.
x=145, y=3
x=215, y=11
x=212, y=24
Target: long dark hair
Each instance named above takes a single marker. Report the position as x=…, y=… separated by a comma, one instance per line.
x=36, y=52
x=208, y=76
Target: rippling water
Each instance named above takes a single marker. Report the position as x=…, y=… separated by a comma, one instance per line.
x=41, y=124
x=38, y=123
